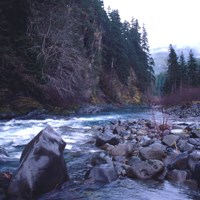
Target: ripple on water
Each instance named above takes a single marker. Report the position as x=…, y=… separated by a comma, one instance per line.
x=127, y=189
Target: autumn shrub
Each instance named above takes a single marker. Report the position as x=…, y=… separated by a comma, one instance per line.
x=182, y=96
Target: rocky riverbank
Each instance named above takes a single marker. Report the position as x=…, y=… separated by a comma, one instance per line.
x=131, y=149
x=143, y=150
x=185, y=110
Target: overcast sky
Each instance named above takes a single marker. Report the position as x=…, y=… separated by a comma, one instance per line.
x=175, y=22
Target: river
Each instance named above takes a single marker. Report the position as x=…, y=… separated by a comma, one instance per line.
x=76, y=131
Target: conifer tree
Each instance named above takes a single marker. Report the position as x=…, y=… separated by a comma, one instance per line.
x=147, y=57
x=184, y=73
x=192, y=70
x=172, y=82
x=119, y=59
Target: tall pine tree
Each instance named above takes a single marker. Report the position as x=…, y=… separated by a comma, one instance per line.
x=192, y=70
x=172, y=82
x=184, y=71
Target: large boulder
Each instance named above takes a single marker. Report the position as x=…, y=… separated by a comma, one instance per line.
x=42, y=166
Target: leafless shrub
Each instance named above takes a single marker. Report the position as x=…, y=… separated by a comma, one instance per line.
x=182, y=96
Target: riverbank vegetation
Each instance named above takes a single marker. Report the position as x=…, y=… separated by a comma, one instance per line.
x=180, y=84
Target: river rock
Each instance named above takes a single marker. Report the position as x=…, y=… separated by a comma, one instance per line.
x=194, y=141
x=145, y=169
x=181, y=161
x=104, y=173
x=119, y=129
x=42, y=166
x=184, y=146
x=99, y=159
x=196, y=133
x=122, y=150
x=177, y=175
x=155, y=151
x=170, y=140
x=169, y=160
x=146, y=141
x=196, y=173
x=193, y=158
x=191, y=127
x=106, y=137
x=120, y=168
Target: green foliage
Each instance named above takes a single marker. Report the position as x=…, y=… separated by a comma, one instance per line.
x=193, y=72
x=184, y=71
x=159, y=84
x=181, y=73
x=126, y=47
x=173, y=72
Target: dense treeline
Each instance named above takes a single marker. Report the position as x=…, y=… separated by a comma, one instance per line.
x=125, y=47
x=181, y=72
x=63, y=51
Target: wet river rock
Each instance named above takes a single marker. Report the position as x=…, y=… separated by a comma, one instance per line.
x=149, y=153
x=145, y=169
x=42, y=166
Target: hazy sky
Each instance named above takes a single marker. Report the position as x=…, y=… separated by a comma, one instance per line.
x=175, y=22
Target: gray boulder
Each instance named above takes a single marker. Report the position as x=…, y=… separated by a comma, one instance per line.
x=145, y=169
x=122, y=150
x=184, y=146
x=196, y=173
x=170, y=140
x=169, y=160
x=104, y=173
x=177, y=176
x=42, y=166
x=180, y=162
x=106, y=137
x=196, y=133
x=155, y=151
x=193, y=158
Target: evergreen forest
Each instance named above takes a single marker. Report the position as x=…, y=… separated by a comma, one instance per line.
x=182, y=77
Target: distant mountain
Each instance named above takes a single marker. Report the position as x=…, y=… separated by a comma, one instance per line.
x=160, y=56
